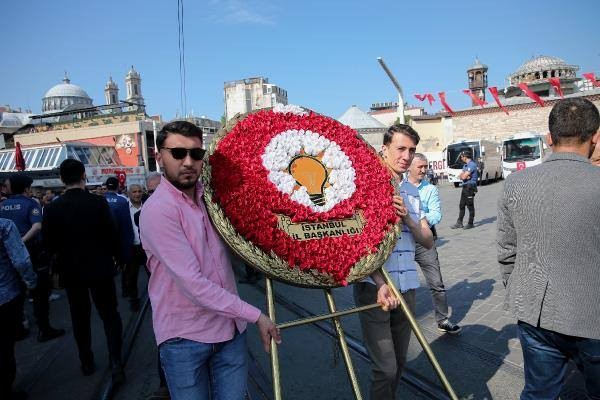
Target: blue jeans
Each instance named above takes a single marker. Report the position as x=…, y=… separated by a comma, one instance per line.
x=203, y=371
x=546, y=354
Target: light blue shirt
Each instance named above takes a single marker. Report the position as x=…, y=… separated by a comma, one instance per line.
x=430, y=201
x=401, y=263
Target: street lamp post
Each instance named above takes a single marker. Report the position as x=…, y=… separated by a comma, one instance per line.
x=398, y=88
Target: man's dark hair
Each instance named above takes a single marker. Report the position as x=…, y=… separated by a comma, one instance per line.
x=467, y=153
x=112, y=183
x=403, y=129
x=183, y=128
x=575, y=119
x=19, y=182
x=71, y=171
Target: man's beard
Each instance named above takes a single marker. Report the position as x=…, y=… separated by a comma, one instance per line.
x=178, y=184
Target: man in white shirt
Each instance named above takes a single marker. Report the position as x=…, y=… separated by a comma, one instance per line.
x=130, y=273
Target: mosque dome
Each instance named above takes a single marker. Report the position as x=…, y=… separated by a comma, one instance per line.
x=541, y=68
x=63, y=95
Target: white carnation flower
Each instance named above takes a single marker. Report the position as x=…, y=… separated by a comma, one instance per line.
x=290, y=108
x=285, y=146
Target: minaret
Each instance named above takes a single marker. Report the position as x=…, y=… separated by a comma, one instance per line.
x=478, y=83
x=134, y=88
x=111, y=92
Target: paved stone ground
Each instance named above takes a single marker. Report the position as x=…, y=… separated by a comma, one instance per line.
x=471, y=275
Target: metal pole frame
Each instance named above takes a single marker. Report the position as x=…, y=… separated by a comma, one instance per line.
x=335, y=316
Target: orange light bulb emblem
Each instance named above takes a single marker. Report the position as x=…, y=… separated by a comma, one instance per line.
x=312, y=174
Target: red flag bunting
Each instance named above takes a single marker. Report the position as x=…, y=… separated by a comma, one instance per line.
x=592, y=78
x=494, y=91
x=428, y=96
x=555, y=82
x=19, y=159
x=523, y=86
x=442, y=96
x=475, y=98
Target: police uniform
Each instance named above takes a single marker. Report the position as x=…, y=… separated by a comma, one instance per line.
x=467, y=196
x=25, y=212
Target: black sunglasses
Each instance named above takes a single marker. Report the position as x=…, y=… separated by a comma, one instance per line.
x=179, y=153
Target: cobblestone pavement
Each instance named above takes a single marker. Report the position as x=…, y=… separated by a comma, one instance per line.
x=471, y=276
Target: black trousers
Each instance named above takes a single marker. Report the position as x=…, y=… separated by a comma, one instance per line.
x=467, y=197
x=104, y=296
x=10, y=318
x=41, y=305
x=129, y=277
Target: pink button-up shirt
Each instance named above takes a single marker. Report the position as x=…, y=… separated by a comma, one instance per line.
x=192, y=286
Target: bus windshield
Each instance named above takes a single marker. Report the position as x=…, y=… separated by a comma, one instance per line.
x=521, y=149
x=454, y=151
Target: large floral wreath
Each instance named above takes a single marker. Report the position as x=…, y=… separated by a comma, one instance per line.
x=254, y=178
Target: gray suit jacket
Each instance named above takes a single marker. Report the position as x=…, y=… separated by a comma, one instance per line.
x=549, y=245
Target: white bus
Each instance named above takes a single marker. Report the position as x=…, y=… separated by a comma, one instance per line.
x=485, y=152
x=521, y=151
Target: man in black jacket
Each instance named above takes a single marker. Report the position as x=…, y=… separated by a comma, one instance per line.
x=79, y=231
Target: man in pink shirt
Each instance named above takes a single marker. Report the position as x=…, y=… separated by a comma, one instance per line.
x=199, y=319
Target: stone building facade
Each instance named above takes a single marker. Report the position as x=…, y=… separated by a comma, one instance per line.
x=251, y=94
x=493, y=124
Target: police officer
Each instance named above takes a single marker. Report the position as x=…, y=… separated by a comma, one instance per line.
x=469, y=177
x=119, y=207
x=26, y=213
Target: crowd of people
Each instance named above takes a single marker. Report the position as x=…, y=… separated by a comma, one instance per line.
x=82, y=237
x=548, y=251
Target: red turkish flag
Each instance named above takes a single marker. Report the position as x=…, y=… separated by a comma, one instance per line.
x=592, y=78
x=121, y=176
x=523, y=86
x=555, y=82
x=442, y=96
x=428, y=96
x=475, y=98
x=494, y=91
x=19, y=159
x=521, y=165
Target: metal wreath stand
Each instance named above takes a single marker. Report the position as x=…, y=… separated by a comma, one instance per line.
x=275, y=268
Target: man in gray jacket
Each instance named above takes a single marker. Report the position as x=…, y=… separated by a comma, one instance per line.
x=549, y=252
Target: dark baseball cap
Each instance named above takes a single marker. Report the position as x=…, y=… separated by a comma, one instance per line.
x=112, y=183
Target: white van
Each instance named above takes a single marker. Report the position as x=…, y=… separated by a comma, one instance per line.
x=523, y=150
x=485, y=152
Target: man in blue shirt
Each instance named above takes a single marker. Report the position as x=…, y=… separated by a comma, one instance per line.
x=428, y=258
x=119, y=207
x=26, y=213
x=469, y=177
x=15, y=266
x=387, y=334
